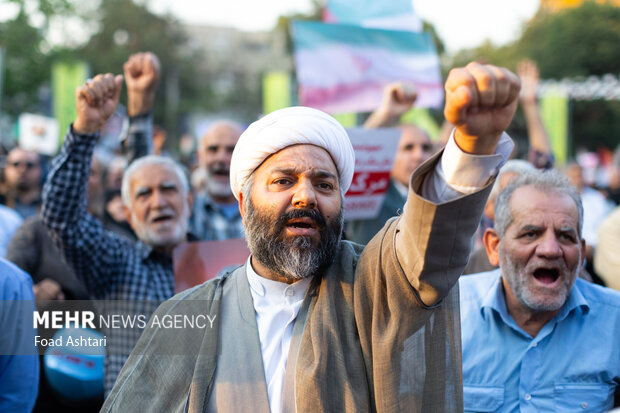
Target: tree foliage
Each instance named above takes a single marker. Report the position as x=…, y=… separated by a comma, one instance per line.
x=576, y=42
x=26, y=66
x=128, y=27
x=124, y=27
x=26, y=55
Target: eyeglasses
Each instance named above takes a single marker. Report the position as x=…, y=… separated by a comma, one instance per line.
x=27, y=164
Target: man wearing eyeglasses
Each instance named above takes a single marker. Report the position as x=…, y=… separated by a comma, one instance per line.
x=414, y=148
x=21, y=188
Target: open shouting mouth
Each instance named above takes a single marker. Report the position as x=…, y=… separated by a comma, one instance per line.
x=162, y=218
x=547, y=276
x=302, y=226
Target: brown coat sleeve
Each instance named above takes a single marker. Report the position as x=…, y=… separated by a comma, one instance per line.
x=406, y=308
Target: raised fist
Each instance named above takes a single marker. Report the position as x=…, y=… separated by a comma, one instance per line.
x=480, y=102
x=141, y=77
x=398, y=98
x=95, y=102
x=528, y=73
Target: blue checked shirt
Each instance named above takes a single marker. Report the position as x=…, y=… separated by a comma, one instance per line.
x=572, y=365
x=209, y=222
x=131, y=274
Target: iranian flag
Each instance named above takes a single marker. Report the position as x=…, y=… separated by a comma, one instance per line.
x=344, y=68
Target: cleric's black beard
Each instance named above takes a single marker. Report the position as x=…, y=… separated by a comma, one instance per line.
x=297, y=259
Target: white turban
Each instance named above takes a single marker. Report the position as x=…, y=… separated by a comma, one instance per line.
x=286, y=127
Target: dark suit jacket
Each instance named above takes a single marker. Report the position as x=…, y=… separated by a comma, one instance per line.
x=32, y=250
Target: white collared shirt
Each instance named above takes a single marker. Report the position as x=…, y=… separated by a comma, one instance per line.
x=277, y=304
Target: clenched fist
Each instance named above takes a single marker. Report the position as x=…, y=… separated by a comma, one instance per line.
x=141, y=76
x=480, y=102
x=398, y=98
x=95, y=102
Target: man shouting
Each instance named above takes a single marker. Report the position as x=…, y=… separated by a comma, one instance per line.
x=314, y=323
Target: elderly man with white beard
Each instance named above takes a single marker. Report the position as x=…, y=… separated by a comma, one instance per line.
x=156, y=203
x=216, y=213
x=535, y=337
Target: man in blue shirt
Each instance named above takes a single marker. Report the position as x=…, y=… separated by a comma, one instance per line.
x=19, y=367
x=535, y=338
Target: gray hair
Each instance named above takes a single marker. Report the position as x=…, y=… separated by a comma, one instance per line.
x=516, y=166
x=547, y=181
x=247, y=191
x=152, y=160
x=617, y=157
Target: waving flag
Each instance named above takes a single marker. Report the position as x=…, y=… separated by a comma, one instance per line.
x=392, y=14
x=343, y=68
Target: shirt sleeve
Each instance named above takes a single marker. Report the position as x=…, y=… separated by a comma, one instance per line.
x=87, y=246
x=139, y=140
x=459, y=173
x=19, y=368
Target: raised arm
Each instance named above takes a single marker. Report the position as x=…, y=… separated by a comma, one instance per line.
x=433, y=238
x=81, y=237
x=398, y=98
x=95, y=102
x=540, y=145
x=141, y=78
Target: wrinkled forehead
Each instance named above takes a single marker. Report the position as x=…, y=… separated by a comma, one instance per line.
x=154, y=176
x=533, y=206
x=298, y=159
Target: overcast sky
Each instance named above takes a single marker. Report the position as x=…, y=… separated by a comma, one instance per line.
x=460, y=23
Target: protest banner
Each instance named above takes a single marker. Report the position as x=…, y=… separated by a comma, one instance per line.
x=344, y=68
x=375, y=150
x=38, y=133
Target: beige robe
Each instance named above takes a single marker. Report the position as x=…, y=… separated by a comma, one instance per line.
x=369, y=343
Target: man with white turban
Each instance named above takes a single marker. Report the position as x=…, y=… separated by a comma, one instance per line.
x=315, y=323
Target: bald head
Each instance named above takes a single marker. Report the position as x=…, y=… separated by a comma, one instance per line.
x=214, y=154
x=414, y=148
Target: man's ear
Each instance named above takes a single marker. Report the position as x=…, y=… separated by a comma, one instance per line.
x=583, y=251
x=242, y=207
x=127, y=213
x=491, y=244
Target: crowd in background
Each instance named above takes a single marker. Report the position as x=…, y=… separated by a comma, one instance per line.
x=41, y=246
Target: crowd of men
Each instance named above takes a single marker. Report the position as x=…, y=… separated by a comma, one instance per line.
x=327, y=314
